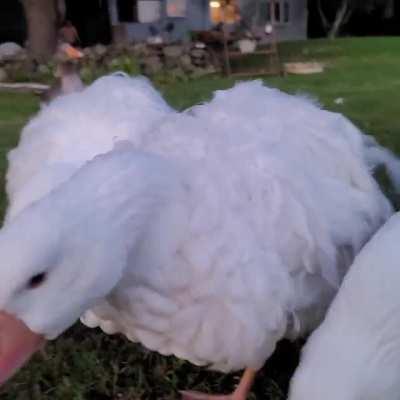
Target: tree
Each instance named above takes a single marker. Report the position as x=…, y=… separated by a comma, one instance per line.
x=342, y=11
x=41, y=17
x=342, y=15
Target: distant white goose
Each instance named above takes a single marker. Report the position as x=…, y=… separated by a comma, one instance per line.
x=67, y=74
x=355, y=353
x=209, y=234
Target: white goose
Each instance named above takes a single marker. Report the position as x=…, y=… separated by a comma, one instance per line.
x=74, y=129
x=67, y=74
x=209, y=234
x=355, y=353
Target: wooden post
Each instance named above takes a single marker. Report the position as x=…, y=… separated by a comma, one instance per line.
x=119, y=34
x=272, y=61
x=228, y=69
x=274, y=58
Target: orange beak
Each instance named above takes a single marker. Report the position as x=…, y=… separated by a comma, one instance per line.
x=72, y=52
x=17, y=344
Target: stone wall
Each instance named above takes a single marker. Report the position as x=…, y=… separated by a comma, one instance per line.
x=182, y=61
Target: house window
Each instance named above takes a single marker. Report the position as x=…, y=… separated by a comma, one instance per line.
x=286, y=12
x=224, y=11
x=139, y=10
x=176, y=8
x=127, y=10
x=149, y=10
x=277, y=12
x=281, y=11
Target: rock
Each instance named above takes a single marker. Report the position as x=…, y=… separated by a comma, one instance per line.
x=152, y=65
x=178, y=73
x=198, y=53
x=22, y=56
x=119, y=48
x=43, y=69
x=171, y=62
x=172, y=54
x=173, y=51
x=186, y=63
x=200, y=45
x=199, y=72
x=199, y=62
x=140, y=49
x=100, y=50
x=23, y=68
x=210, y=69
x=155, y=40
x=9, y=50
x=3, y=75
x=87, y=52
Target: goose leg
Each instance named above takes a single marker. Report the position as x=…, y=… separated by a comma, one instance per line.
x=240, y=393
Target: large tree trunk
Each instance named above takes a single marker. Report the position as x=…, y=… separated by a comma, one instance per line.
x=41, y=17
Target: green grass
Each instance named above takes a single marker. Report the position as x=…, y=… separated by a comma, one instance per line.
x=86, y=364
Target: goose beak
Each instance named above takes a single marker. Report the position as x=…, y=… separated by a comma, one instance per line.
x=17, y=344
x=72, y=52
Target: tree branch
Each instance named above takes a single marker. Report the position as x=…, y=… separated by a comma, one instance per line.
x=339, y=19
x=324, y=20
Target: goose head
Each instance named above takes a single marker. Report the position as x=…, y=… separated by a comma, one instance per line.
x=67, y=52
x=59, y=256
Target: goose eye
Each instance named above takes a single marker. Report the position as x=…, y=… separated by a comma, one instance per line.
x=36, y=280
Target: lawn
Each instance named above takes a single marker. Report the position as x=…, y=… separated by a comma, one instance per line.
x=86, y=364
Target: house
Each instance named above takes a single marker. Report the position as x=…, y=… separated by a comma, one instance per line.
x=290, y=16
x=136, y=20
